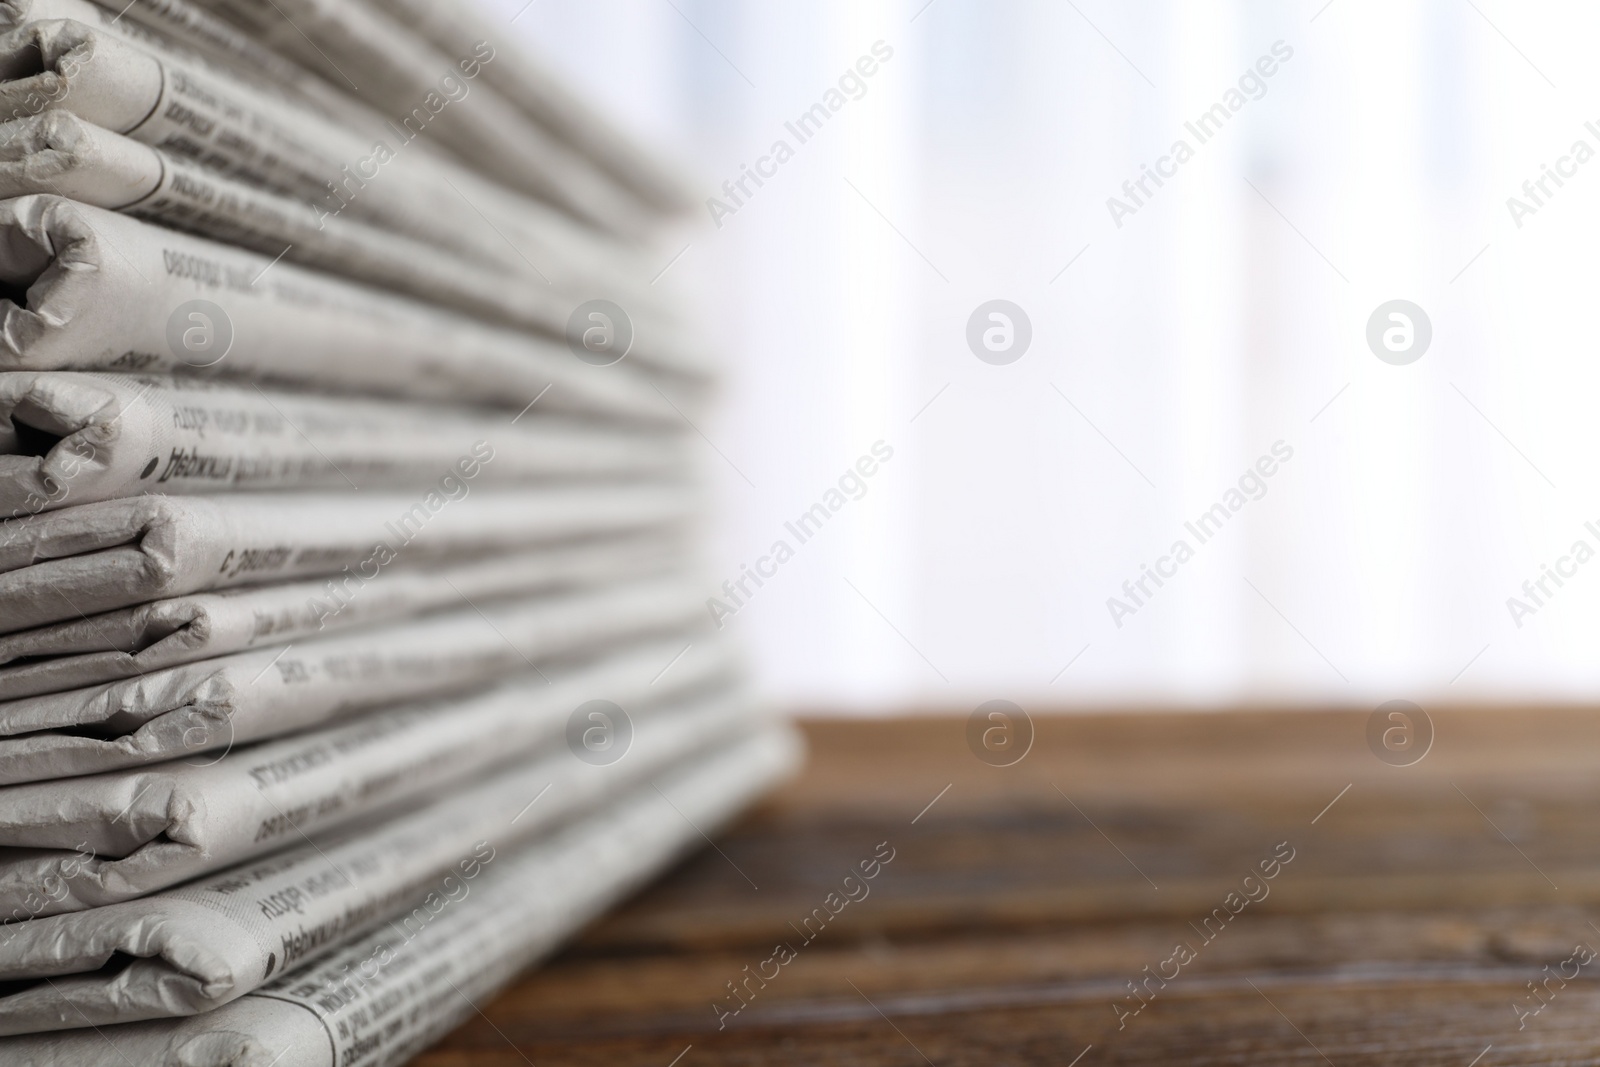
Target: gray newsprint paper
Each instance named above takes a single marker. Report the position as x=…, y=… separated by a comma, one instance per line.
x=58, y=152
x=75, y=150
x=87, y=842
x=179, y=29
x=381, y=999
x=196, y=947
x=442, y=96
x=523, y=80
x=396, y=178
x=132, y=642
x=81, y=561
x=108, y=292
x=258, y=135
x=216, y=703
x=75, y=438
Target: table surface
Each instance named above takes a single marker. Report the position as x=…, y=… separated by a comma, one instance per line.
x=1441, y=913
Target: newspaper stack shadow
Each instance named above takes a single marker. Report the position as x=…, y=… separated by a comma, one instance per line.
x=352, y=654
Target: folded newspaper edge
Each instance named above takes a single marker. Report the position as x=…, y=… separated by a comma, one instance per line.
x=256, y=131
x=108, y=292
x=94, y=558
x=525, y=82
x=88, y=842
x=214, y=704
x=522, y=78
x=132, y=642
x=68, y=437
x=514, y=232
x=179, y=26
x=98, y=87
x=405, y=72
x=196, y=947
x=58, y=152
x=380, y=999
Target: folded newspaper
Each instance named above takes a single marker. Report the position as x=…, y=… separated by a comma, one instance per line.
x=73, y=438
x=406, y=73
x=197, y=947
x=352, y=649
x=524, y=81
x=133, y=642
x=217, y=703
x=58, y=152
x=60, y=56
x=82, y=843
x=382, y=998
x=108, y=292
x=93, y=558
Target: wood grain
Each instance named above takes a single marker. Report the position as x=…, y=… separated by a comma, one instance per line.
x=1019, y=906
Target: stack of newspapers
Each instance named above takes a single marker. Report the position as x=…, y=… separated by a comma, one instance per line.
x=351, y=653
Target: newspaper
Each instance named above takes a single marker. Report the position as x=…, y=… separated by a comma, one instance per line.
x=58, y=152
x=177, y=28
x=113, y=837
x=381, y=999
x=523, y=81
x=97, y=62
x=354, y=46
x=170, y=102
x=175, y=103
x=196, y=947
x=165, y=633
x=94, y=558
x=393, y=179
x=72, y=438
x=107, y=292
x=215, y=704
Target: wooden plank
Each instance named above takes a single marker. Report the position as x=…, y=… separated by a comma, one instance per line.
x=1020, y=906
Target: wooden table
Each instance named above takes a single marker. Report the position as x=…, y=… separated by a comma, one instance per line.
x=1419, y=904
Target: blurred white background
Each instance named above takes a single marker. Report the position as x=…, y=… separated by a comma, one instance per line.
x=1228, y=313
